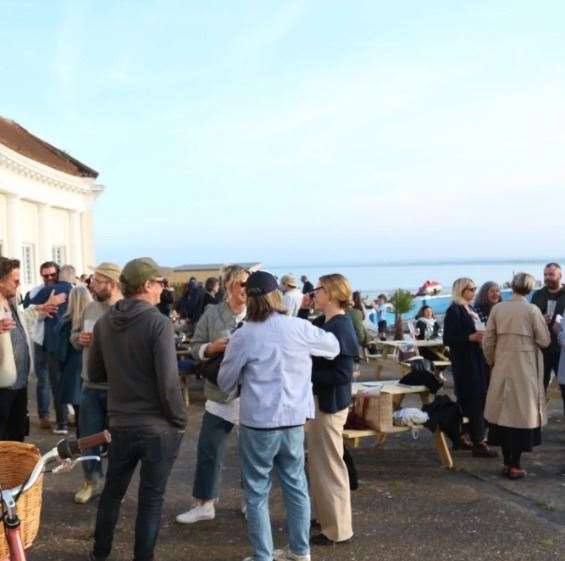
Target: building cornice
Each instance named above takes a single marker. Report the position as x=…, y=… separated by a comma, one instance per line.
x=30, y=169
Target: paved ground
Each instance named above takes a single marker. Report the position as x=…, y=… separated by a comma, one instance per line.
x=407, y=507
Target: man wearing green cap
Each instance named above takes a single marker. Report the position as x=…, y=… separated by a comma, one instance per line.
x=133, y=349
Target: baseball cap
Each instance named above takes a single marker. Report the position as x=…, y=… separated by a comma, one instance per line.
x=260, y=283
x=109, y=270
x=140, y=270
x=289, y=280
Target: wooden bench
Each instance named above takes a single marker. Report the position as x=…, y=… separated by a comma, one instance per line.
x=354, y=438
x=393, y=388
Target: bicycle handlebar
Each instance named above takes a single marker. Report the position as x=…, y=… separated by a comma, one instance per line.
x=65, y=450
x=71, y=447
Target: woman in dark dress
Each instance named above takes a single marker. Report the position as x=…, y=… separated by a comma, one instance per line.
x=463, y=334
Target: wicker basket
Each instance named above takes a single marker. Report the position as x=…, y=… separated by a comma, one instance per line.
x=17, y=461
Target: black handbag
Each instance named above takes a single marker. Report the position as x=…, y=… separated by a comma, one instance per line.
x=209, y=369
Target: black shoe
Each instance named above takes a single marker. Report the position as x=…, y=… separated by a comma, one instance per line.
x=320, y=539
x=481, y=450
x=92, y=557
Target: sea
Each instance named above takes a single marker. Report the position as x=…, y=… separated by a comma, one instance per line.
x=372, y=279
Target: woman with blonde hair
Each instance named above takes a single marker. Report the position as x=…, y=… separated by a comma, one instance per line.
x=209, y=342
x=329, y=481
x=463, y=333
x=70, y=359
x=515, y=406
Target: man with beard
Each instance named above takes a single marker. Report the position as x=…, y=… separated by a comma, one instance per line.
x=105, y=288
x=551, y=301
x=49, y=272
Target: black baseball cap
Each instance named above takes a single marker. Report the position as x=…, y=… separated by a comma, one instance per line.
x=260, y=283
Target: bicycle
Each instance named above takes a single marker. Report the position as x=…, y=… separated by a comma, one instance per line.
x=67, y=455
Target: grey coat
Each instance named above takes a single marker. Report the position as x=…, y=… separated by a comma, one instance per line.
x=217, y=322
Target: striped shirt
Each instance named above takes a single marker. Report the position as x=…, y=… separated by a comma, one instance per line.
x=21, y=351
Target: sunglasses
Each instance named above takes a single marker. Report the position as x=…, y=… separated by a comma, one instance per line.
x=472, y=288
x=158, y=281
x=49, y=276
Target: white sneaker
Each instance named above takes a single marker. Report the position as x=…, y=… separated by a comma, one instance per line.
x=204, y=511
x=244, y=509
x=287, y=555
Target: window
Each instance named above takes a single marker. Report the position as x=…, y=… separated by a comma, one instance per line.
x=60, y=254
x=28, y=265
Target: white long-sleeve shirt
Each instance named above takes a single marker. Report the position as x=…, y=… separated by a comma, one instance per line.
x=271, y=361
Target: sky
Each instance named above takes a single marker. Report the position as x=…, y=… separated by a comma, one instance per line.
x=299, y=132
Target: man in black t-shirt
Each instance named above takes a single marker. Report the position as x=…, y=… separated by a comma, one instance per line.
x=307, y=286
x=551, y=301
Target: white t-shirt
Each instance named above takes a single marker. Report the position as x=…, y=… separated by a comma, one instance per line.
x=292, y=300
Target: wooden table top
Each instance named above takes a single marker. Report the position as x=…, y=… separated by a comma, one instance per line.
x=388, y=386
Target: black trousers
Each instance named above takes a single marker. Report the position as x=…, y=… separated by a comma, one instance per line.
x=550, y=362
x=511, y=456
x=473, y=408
x=156, y=453
x=14, y=424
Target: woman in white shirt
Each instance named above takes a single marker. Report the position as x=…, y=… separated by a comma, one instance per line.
x=222, y=412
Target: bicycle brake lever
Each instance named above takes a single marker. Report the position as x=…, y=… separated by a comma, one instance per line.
x=67, y=465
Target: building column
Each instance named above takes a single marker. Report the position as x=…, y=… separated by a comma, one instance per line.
x=75, y=242
x=13, y=230
x=45, y=246
x=89, y=256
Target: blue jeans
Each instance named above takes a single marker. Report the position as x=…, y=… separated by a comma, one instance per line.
x=93, y=413
x=40, y=367
x=281, y=450
x=157, y=454
x=212, y=444
x=54, y=369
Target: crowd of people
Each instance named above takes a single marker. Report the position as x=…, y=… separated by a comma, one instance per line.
x=103, y=351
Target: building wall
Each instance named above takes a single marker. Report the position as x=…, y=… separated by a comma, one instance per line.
x=3, y=225
x=42, y=209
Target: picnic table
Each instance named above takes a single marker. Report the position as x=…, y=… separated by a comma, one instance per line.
x=182, y=351
x=397, y=392
x=390, y=349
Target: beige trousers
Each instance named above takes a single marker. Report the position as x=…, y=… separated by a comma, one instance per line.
x=329, y=482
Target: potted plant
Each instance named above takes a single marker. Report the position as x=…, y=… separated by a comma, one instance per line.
x=402, y=301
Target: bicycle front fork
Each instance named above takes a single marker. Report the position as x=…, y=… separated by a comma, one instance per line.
x=12, y=529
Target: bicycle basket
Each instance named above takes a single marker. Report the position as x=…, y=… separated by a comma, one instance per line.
x=17, y=461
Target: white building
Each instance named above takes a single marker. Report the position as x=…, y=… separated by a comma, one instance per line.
x=46, y=204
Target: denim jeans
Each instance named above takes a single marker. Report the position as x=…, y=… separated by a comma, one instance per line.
x=93, y=415
x=261, y=453
x=54, y=369
x=43, y=389
x=157, y=454
x=212, y=444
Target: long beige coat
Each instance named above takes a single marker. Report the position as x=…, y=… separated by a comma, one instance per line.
x=514, y=334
